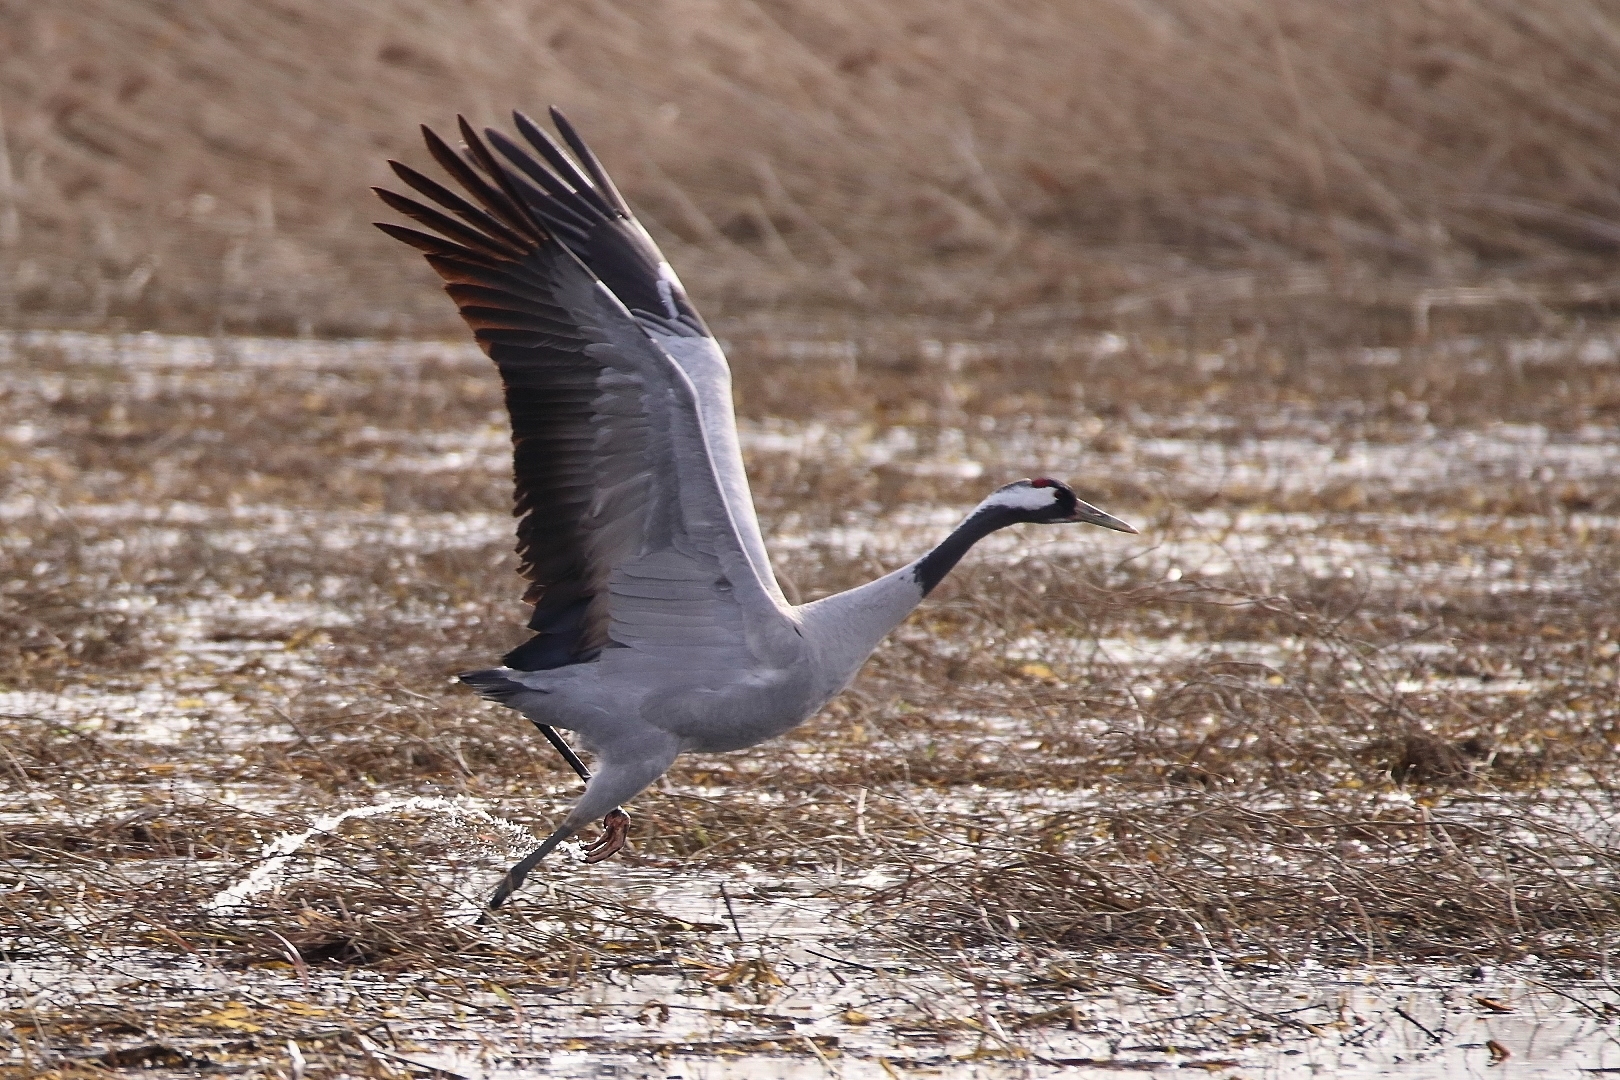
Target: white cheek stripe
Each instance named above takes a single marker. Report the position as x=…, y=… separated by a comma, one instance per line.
x=1023, y=497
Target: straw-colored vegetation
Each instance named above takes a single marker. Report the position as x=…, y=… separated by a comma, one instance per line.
x=204, y=165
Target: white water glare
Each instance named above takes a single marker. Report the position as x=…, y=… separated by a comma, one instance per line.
x=279, y=852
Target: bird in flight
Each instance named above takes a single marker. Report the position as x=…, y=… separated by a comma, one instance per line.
x=659, y=627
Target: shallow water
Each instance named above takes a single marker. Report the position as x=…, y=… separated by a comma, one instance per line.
x=768, y=971
x=755, y=968
x=783, y=964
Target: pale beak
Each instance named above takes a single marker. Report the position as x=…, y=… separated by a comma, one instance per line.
x=1086, y=513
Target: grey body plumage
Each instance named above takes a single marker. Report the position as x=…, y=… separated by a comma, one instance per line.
x=659, y=626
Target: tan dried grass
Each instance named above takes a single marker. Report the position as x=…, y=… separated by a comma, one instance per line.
x=205, y=166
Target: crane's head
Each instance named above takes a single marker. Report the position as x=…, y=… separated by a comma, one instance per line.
x=1044, y=501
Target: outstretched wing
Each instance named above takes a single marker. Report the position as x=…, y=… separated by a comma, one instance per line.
x=581, y=207
x=629, y=530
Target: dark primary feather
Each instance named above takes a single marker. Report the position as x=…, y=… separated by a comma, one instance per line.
x=566, y=170
x=421, y=241
x=508, y=235
x=452, y=202
x=493, y=200
x=588, y=159
x=568, y=208
x=502, y=268
x=480, y=156
x=472, y=239
x=588, y=215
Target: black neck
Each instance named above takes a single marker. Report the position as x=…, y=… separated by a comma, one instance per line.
x=932, y=568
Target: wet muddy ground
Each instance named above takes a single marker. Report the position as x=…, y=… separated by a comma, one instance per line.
x=1315, y=774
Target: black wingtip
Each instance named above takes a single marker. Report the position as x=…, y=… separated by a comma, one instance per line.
x=431, y=246
x=469, y=138
x=586, y=158
x=483, y=159
x=450, y=228
x=450, y=161
x=498, y=200
x=569, y=172
x=560, y=121
x=429, y=137
x=448, y=199
x=438, y=147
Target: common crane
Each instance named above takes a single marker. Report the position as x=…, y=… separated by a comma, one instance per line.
x=658, y=625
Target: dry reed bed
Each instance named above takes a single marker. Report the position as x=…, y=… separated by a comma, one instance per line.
x=238, y=587
x=206, y=167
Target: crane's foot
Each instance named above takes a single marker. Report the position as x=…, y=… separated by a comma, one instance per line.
x=615, y=832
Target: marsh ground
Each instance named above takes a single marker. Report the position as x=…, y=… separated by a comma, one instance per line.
x=1317, y=772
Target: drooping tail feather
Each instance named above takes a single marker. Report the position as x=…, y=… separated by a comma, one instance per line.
x=492, y=684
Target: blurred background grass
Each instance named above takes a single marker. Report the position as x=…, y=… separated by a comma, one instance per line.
x=204, y=165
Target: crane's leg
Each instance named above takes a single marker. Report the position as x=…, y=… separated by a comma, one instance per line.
x=626, y=772
x=565, y=750
x=513, y=881
x=615, y=824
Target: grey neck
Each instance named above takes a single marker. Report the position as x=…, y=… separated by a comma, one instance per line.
x=842, y=630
